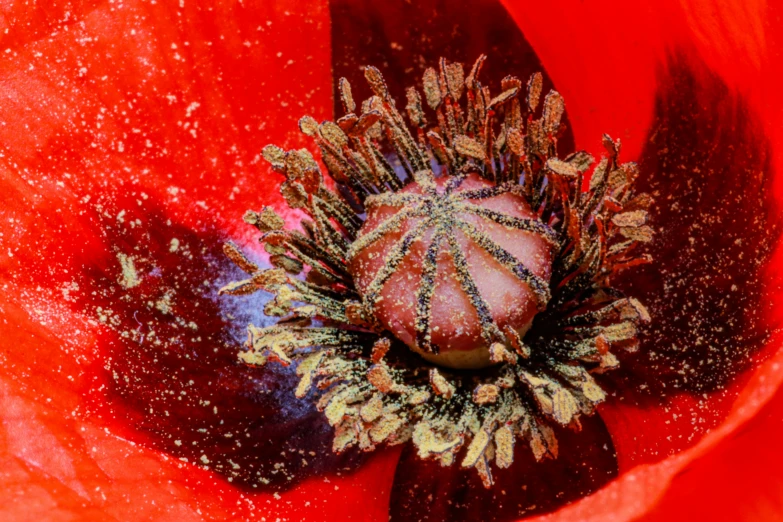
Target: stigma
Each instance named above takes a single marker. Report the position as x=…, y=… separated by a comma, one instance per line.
x=437, y=261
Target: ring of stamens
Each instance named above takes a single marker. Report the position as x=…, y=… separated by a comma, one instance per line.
x=371, y=389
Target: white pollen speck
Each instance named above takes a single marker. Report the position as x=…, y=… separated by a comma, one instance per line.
x=129, y=277
x=190, y=108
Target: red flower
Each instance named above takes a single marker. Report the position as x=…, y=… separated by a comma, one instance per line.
x=130, y=133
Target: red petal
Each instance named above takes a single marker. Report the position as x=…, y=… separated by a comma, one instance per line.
x=706, y=289
x=162, y=95
x=606, y=56
x=748, y=463
x=49, y=128
x=144, y=108
x=738, y=42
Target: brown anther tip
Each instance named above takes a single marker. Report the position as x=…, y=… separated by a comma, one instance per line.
x=346, y=96
x=270, y=279
x=265, y=221
x=641, y=310
x=498, y=354
x=534, y=88
x=376, y=81
x=378, y=375
x=354, y=312
x=440, y=385
x=485, y=394
x=601, y=345
x=515, y=339
x=380, y=348
x=274, y=155
x=308, y=125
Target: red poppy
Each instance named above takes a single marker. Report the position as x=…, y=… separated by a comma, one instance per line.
x=130, y=134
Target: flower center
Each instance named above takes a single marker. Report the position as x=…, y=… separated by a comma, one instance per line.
x=444, y=263
x=456, y=266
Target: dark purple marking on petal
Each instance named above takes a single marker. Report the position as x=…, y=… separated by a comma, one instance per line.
x=170, y=346
x=402, y=39
x=425, y=491
x=707, y=161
